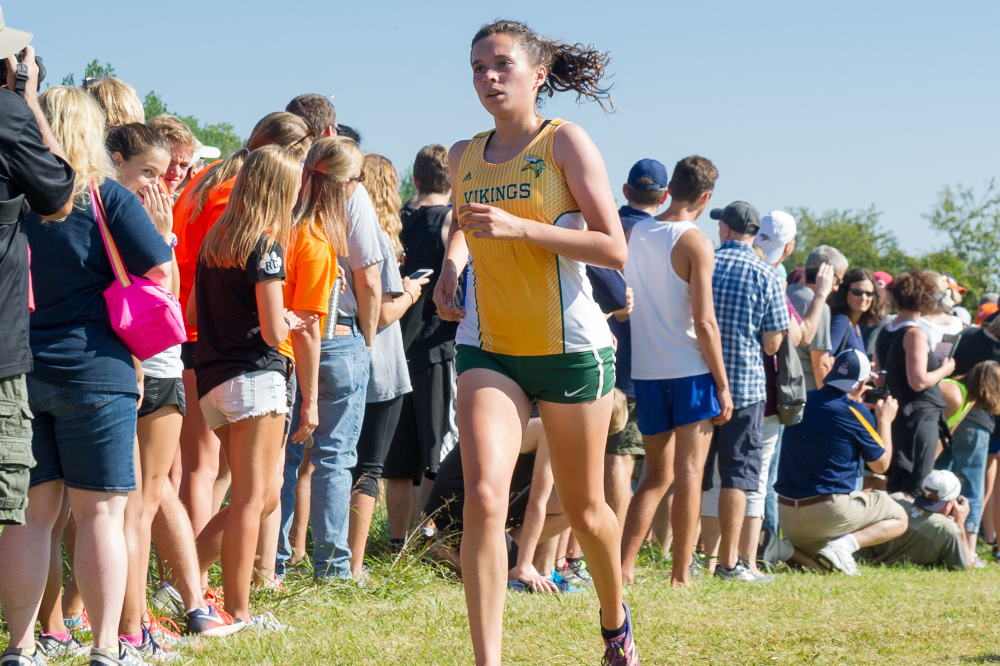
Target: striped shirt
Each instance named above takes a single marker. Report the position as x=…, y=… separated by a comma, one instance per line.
x=749, y=301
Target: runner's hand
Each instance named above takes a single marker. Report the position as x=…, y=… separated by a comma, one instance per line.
x=444, y=294
x=482, y=221
x=310, y=419
x=726, y=403
x=530, y=577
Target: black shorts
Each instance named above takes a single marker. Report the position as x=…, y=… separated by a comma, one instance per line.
x=739, y=445
x=415, y=451
x=291, y=389
x=160, y=392
x=188, y=354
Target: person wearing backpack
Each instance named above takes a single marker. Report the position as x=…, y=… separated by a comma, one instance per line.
x=681, y=385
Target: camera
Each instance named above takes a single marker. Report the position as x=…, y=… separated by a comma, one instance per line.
x=21, y=77
x=874, y=394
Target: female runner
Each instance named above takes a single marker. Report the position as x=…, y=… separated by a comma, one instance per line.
x=535, y=207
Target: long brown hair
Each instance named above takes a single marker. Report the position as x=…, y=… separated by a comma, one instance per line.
x=570, y=67
x=261, y=203
x=321, y=208
x=382, y=182
x=280, y=128
x=983, y=385
x=838, y=299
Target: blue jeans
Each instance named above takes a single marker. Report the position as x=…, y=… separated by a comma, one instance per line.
x=771, y=500
x=344, y=366
x=967, y=459
x=293, y=460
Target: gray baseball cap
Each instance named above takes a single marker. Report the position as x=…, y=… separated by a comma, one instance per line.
x=739, y=216
x=12, y=41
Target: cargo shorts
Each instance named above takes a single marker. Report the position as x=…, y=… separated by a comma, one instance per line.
x=16, y=460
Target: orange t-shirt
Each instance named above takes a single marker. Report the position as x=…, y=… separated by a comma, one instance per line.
x=191, y=232
x=310, y=270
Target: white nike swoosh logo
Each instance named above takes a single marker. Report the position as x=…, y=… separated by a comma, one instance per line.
x=576, y=392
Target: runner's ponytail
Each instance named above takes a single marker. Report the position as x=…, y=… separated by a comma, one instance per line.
x=571, y=67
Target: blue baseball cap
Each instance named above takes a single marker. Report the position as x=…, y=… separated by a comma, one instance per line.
x=850, y=368
x=651, y=169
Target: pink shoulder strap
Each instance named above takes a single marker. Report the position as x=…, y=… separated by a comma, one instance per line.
x=117, y=265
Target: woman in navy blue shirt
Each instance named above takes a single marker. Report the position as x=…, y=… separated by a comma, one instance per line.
x=83, y=390
x=854, y=305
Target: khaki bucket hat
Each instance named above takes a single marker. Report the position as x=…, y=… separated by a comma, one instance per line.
x=12, y=41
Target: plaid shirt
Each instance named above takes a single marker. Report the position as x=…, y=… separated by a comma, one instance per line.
x=748, y=301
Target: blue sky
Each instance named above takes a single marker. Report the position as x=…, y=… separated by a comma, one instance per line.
x=826, y=105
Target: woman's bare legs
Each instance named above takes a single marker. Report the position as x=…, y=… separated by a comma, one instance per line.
x=270, y=530
x=577, y=436
x=200, y=462
x=362, y=508
x=492, y=413
x=21, y=548
x=51, y=613
x=300, y=514
x=158, y=437
x=134, y=601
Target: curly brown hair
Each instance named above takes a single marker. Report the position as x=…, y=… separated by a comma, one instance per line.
x=838, y=299
x=913, y=291
x=571, y=67
x=983, y=385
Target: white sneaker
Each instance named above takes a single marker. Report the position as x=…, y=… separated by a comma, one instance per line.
x=776, y=549
x=834, y=558
x=266, y=622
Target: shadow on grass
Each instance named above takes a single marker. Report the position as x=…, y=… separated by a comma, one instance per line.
x=982, y=659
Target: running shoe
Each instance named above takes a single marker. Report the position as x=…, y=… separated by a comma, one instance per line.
x=563, y=584
x=695, y=570
x=266, y=622
x=213, y=623
x=165, y=631
x=168, y=600
x=833, y=559
x=79, y=626
x=621, y=651
x=126, y=655
x=18, y=657
x=741, y=572
x=977, y=563
x=775, y=549
x=576, y=572
x=156, y=653
x=53, y=646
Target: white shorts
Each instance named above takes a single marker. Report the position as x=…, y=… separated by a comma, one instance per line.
x=252, y=394
x=755, y=498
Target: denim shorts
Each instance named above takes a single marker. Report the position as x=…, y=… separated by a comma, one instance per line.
x=86, y=438
x=244, y=396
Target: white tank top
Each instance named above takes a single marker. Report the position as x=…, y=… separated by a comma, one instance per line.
x=664, y=345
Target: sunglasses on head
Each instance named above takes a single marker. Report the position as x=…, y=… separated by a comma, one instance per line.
x=862, y=292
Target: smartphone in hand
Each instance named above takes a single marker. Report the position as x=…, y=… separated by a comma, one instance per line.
x=422, y=273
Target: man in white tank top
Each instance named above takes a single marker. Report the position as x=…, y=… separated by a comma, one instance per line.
x=680, y=379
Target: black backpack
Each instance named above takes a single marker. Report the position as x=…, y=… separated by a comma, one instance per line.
x=791, y=384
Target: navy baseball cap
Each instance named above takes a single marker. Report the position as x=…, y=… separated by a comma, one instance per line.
x=651, y=169
x=739, y=216
x=850, y=368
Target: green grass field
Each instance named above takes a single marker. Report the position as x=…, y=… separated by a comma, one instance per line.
x=413, y=613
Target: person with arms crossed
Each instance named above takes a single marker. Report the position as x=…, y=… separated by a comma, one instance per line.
x=680, y=379
x=535, y=208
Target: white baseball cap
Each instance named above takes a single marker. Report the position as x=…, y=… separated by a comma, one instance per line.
x=850, y=368
x=777, y=229
x=939, y=487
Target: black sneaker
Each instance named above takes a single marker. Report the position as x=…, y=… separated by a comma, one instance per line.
x=738, y=573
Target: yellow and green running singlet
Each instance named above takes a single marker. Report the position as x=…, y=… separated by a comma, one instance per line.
x=520, y=299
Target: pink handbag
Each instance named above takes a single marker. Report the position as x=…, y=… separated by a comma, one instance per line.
x=145, y=316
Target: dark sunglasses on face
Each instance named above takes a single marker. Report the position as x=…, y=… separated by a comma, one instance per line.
x=861, y=292
x=360, y=178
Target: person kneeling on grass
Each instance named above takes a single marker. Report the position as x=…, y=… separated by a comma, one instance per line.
x=935, y=534
x=819, y=511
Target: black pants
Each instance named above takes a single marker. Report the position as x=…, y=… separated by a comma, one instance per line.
x=373, y=444
x=915, y=435
x=416, y=447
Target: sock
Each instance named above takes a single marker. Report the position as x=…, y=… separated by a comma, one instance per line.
x=62, y=638
x=134, y=640
x=612, y=634
x=73, y=622
x=203, y=610
x=847, y=542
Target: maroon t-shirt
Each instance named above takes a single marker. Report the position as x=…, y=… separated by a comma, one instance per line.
x=771, y=370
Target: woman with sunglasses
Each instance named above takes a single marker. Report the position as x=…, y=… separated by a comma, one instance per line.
x=855, y=304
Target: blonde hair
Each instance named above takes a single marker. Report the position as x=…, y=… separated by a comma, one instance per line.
x=118, y=100
x=382, y=184
x=77, y=123
x=261, y=203
x=174, y=130
x=619, y=413
x=322, y=201
x=280, y=128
